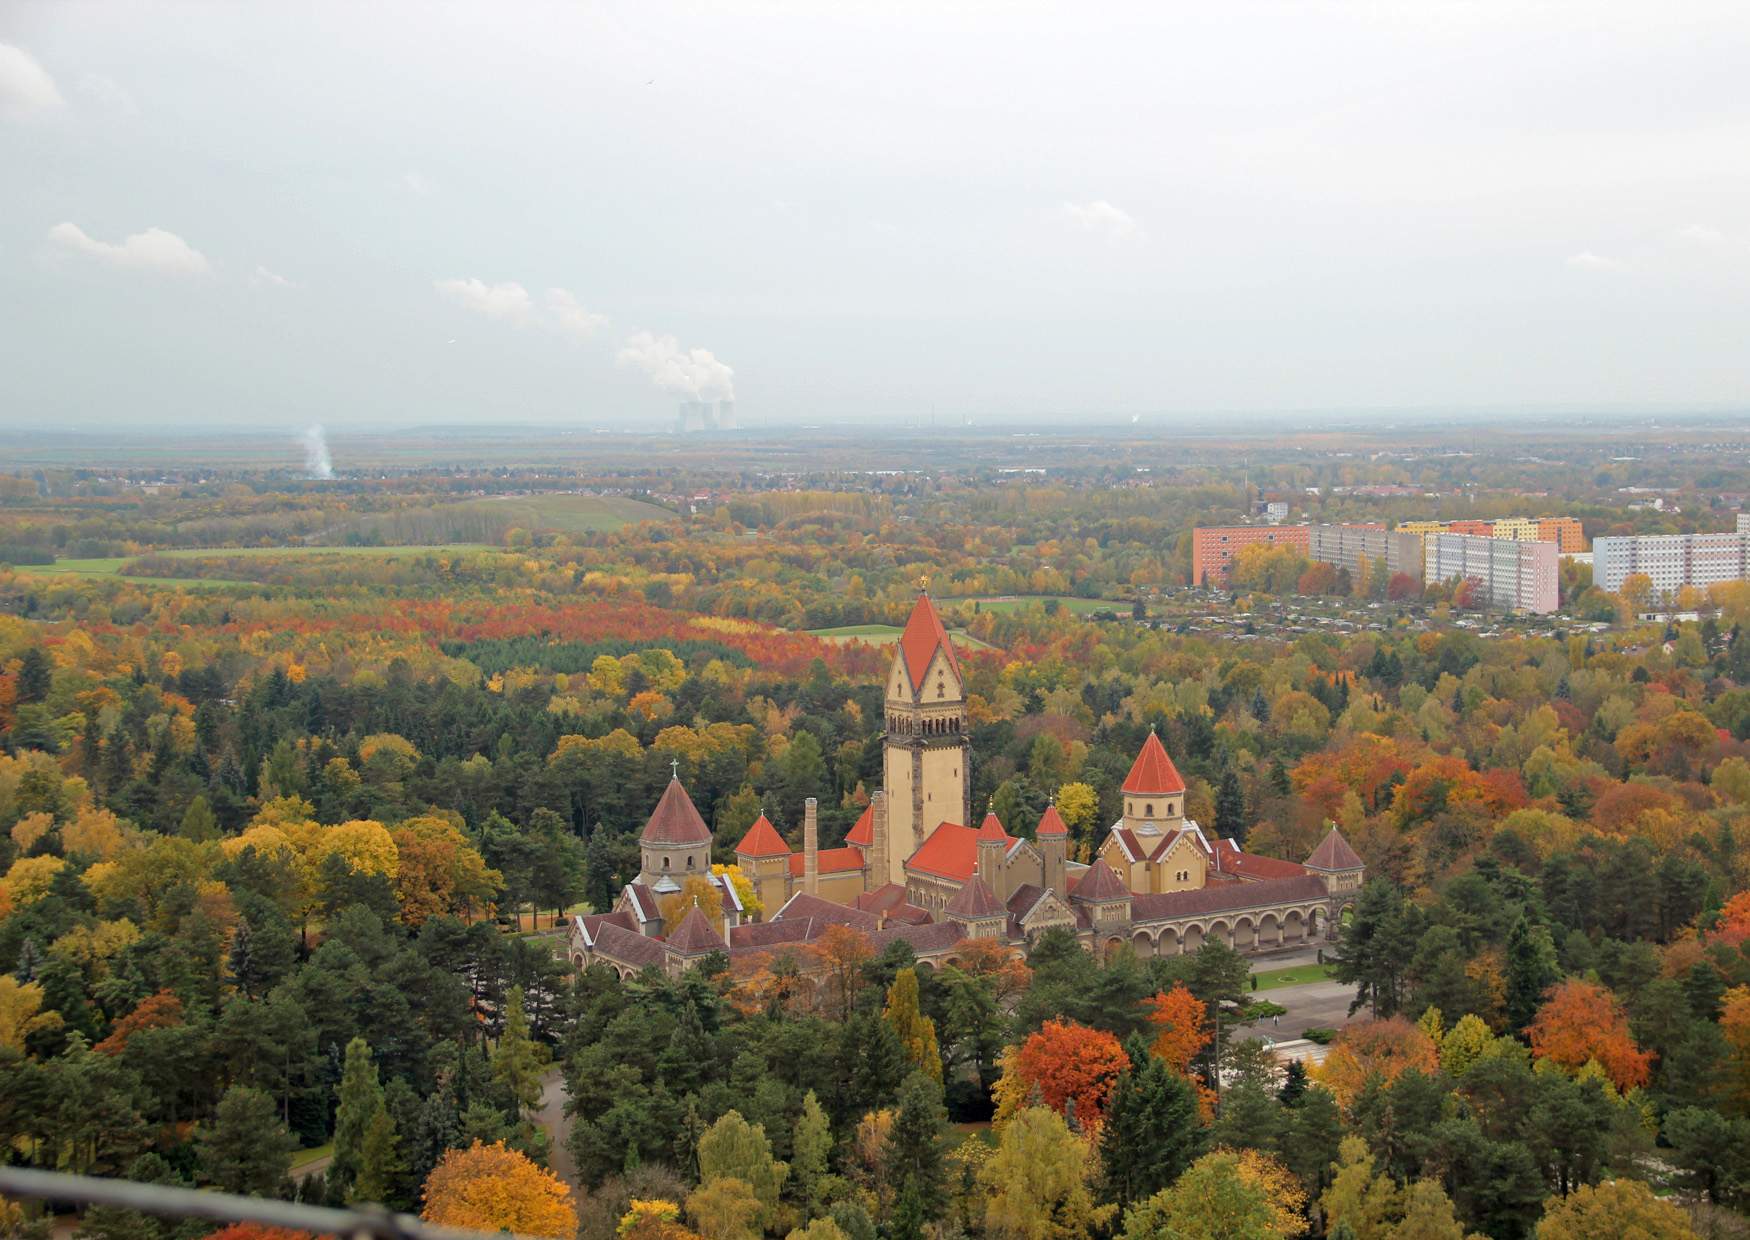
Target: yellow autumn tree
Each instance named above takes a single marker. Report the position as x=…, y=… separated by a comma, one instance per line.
x=491, y=1188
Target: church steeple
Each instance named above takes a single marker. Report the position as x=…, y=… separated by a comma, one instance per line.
x=924, y=763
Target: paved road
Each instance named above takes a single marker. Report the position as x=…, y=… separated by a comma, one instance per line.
x=551, y=1117
x=1316, y=1005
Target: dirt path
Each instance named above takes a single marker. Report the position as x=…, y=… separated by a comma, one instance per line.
x=550, y=1115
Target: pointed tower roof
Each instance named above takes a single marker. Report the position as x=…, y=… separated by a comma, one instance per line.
x=1334, y=853
x=974, y=900
x=675, y=821
x=992, y=829
x=1051, y=823
x=1153, y=773
x=923, y=636
x=1101, y=883
x=694, y=936
x=762, y=840
x=864, y=832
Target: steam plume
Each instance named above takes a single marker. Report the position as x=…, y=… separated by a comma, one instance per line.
x=316, y=459
x=685, y=372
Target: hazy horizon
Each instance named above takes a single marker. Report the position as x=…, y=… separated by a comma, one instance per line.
x=261, y=219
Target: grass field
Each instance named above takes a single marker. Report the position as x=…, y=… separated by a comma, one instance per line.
x=569, y=514
x=1298, y=975
x=303, y=1158
x=887, y=634
x=112, y=566
x=1015, y=602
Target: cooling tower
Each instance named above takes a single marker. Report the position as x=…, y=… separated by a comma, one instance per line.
x=725, y=415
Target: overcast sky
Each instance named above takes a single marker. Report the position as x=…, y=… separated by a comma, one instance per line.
x=363, y=214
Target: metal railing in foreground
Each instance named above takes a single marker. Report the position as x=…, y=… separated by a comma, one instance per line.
x=359, y=1223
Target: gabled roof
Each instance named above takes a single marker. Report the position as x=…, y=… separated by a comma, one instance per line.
x=762, y=840
x=1101, y=883
x=675, y=821
x=1230, y=858
x=1334, y=853
x=694, y=936
x=1050, y=823
x=588, y=925
x=974, y=900
x=864, y=832
x=825, y=912
x=642, y=901
x=627, y=947
x=830, y=861
x=923, y=636
x=1153, y=772
x=951, y=851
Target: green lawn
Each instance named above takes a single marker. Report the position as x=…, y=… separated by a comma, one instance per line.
x=303, y=1158
x=111, y=566
x=570, y=514
x=1016, y=602
x=1297, y=976
x=887, y=634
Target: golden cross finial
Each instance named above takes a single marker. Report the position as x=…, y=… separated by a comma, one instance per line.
x=924, y=584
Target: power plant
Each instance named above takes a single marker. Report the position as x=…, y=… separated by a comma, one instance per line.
x=705, y=415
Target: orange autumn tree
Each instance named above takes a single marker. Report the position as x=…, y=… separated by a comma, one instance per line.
x=1178, y=1018
x=1733, y=926
x=1066, y=1063
x=159, y=1011
x=491, y=1188
x=1383, y=1048
x=1735, y=1025
x=1582, y=1021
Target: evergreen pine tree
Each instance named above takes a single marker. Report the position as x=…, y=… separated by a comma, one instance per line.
x=35, y=675
x=1293, y=1083
x=1531, y=970
x=912, y=1158
x=198, y=821
x=1151, y=1132
x=1230, y=806
x=246, y=1150
x=361, y=1097
x=380, y=1160
x=810, y=1147
x=518, y=1060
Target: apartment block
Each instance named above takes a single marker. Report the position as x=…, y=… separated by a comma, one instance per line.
x=1564, y=532
x=1519, y=529
x=1672, y=561
x=1347, y=545
x=1512, y=575
x=1213, y=548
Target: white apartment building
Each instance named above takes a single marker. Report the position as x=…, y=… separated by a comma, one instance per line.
x=1514, y=576
x=1672, y=561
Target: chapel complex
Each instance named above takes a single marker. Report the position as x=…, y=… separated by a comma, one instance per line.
x=912, y=869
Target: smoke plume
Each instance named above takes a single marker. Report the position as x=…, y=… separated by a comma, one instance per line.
x=685, y=372
x=316, y=460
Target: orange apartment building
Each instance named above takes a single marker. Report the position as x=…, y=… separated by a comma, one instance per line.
x=1213, y=548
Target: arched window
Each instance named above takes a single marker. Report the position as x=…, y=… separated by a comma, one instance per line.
x=665, y=863
x=690, y=861
x=1148, y=810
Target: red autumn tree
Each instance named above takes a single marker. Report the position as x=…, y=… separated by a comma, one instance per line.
x=1582, y=1021
x=258, y=1231
x=159, y=1011
x=1178, y=1018
x=1066, y=1062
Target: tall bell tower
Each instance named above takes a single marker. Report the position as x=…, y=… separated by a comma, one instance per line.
x=924, y=771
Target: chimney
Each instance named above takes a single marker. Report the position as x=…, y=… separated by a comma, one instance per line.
x=811, y=847
x=990, y=866
x=877, y=872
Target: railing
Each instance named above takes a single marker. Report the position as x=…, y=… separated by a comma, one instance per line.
x=358, y=1223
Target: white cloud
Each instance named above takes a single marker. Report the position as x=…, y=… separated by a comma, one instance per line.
x=263, y=277
x=25, y=86
x=684, y=372
x=108, y=93
x=1701, y=234
x=1586, y=260
x=570, y=316
x=416, y=184
x=509, y=301
x=1102, y=219
x=152, y=250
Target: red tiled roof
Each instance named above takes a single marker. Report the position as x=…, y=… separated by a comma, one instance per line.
x=768, y=933
x=762, y=840
x=884, y=898
x=922, y=637
x=933, y=937
x=1231, y=859
x=1101, y=883
x=864, y=832
x=628, y=947
x=1153, y=772
x=832, y=861
x=825, y=912
x=1334, y=853
x=675, y=821
x=592, y=923
x=974, y=899
x=1051, y=823
x=992, y=829
x=1226, y=897
x=952, y=851
x=694, y=936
